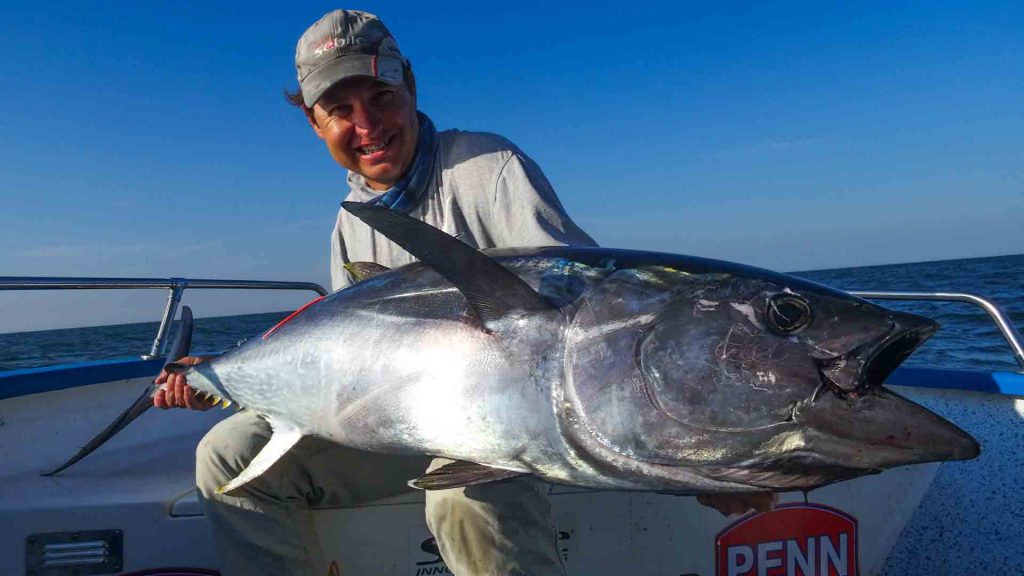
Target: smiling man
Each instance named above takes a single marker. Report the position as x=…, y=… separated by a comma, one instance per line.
x=369, y=127
x=358, y=93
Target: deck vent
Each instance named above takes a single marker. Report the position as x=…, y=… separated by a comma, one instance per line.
x=74, y=553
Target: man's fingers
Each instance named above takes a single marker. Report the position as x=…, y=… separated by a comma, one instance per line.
x=160, y=399
x=175, y=391
x=164, y=375
x=180, y=388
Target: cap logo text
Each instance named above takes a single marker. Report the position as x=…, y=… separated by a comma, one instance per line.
x=331, y=43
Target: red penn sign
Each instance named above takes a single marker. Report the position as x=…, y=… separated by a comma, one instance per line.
x=791, y=540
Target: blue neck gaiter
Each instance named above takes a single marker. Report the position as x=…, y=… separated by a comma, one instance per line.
x=407, y=192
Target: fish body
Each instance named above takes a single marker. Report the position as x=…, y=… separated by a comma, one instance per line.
x=591, y=367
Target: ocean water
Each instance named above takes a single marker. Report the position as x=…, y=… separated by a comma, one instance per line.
x=968, y=339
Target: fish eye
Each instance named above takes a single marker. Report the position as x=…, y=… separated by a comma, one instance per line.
x=787, y=313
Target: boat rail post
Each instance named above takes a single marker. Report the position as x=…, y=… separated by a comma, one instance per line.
x=1003, y=322
x=174, y=292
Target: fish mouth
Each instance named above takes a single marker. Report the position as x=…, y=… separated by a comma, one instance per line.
x=866, y=427
x=868, y=365
x=892, y=351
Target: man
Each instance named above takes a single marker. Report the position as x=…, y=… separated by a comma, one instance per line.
x=359, y=96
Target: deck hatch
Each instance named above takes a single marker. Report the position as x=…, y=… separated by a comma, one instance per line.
x=74, y=553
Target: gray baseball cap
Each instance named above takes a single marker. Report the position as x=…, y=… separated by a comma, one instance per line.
x=342, y=44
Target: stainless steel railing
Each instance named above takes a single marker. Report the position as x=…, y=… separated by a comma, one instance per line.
x=1003, y=322
x=174, y=286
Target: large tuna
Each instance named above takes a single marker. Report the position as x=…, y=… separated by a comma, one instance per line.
x=592, y=367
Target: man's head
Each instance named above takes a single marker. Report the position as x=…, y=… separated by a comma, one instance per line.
x=359, y=95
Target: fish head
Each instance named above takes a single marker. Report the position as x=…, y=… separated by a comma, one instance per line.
x=765, y=380
x=740, y=353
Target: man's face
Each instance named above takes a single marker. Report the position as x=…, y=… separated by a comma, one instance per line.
x=369, y=127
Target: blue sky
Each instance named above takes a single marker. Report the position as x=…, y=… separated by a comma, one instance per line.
x=151, y=139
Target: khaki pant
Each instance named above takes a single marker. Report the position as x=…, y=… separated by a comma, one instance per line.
x=266, y=526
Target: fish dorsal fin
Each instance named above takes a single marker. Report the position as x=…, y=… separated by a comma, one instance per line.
x=281, y=441
x=461, y=473
x=181, y=346
x=365, y=270
x=492, y=290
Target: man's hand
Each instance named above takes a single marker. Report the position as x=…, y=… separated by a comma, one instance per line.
x=739, y=503
x=176, y=393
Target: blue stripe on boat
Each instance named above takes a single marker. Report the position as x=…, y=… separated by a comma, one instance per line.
x=34, y=380
x=1010, y=383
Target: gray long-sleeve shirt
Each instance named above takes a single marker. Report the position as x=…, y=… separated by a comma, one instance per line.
x=486, y=192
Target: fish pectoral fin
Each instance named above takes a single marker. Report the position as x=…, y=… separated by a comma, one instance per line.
x=182, y=345
x=284, y=437
x=365, y=270
x=141, y=404
x=461, y=473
